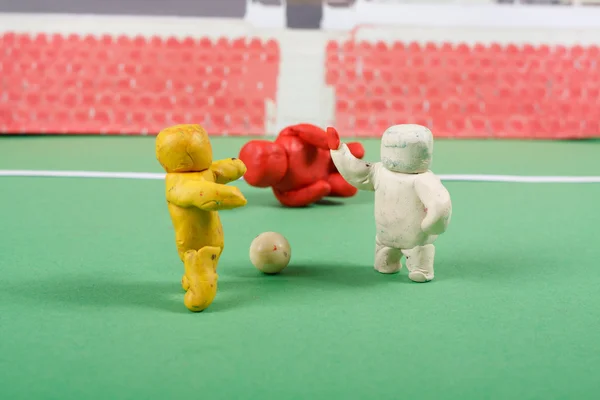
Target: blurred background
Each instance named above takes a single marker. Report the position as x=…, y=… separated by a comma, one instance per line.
x=465, y=68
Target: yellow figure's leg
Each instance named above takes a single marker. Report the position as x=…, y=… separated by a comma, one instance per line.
x=201, y=273
x=185, y=283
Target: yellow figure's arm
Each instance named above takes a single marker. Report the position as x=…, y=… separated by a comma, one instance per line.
x=205, y=195
x=228, y=170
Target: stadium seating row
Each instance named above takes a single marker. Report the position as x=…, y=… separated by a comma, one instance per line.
x=466, y=90
x=87, y=84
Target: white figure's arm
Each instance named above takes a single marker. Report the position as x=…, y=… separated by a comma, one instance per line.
x=437, y=202
x=355, y=171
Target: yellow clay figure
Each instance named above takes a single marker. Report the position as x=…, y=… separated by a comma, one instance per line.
x=196, y=189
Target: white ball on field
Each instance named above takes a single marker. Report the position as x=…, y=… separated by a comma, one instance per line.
x=270, y=252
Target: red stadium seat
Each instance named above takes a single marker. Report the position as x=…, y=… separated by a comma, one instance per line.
x=378, y=105
x=382, y=122
x=332, y=47
x=363, y=126
x=399, y=107
x=342, y=107
x=332, y=77
x=379, y=90
x=361, y=106
x=476, y=126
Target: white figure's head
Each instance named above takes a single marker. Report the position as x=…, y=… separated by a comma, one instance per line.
x=407, y=148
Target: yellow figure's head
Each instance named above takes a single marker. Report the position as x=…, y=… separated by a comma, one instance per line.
x=184, y=148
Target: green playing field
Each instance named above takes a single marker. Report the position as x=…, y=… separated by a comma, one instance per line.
x=91, y=305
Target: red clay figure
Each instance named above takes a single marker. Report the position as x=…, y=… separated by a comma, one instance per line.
x=297, y=165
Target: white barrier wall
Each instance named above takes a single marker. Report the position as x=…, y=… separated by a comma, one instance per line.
x=463, y=13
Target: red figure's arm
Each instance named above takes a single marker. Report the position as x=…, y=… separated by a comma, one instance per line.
x=303, y=196
x=333, y=138
x=340, y=187
x=333, y=142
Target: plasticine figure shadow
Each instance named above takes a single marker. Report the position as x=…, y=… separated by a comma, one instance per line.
x=242, y=287
x=261, y=199
x=328, y=202
x=453, y=265
x=488, y=267
x=97, y=292
x=348, y=275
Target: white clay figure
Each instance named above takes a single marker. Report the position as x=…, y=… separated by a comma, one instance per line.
x=412, y=207
x=270, y=252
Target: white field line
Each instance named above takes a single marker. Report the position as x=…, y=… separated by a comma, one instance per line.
x=159, y=176
x=81, y=174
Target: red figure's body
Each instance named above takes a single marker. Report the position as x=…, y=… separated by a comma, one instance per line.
x=297, y=165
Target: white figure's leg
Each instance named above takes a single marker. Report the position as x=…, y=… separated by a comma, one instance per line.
x=419, y=262
x=387, y=259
